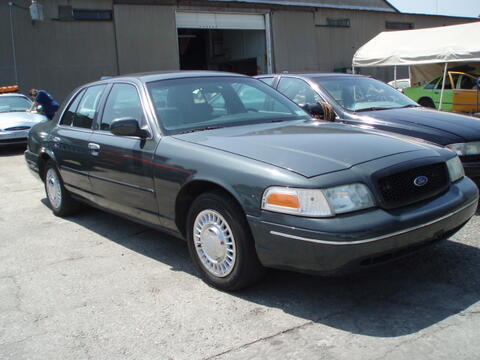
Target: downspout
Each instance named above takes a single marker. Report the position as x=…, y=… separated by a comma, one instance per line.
x=443, y=86
x=15, y=71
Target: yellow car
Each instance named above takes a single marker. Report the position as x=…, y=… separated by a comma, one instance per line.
x=461, y=93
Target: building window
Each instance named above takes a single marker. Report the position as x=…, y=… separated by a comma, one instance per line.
x=66, y=12
x=337, y=22
x=395, y=25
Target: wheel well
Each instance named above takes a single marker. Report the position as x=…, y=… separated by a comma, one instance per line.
x=188, y=194
x=42, y=160
x=426, y=99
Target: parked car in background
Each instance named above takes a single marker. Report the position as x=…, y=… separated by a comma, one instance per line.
x=369, y=103
x=399, y=84
x=249, y=184
x=15, y=120
x=460, y=93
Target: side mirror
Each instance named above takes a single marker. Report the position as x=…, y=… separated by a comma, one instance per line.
x=128, y=127
x=320, y=110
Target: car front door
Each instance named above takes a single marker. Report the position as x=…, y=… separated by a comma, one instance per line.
x=447, y=101
x=122, y=166
x=70, y=139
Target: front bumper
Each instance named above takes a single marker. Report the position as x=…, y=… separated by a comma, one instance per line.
x=336, y=245
x=32, y=163
x=13, y=137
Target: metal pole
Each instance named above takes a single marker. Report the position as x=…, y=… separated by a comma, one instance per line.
x=443, y=87
x=353, y=69
x=10, y=5
x=395, y=76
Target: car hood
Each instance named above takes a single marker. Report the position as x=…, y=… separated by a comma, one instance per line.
x=445, y=126
x=305, y=147
x=14, y=119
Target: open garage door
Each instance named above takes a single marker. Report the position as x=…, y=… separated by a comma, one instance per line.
x=224, y=41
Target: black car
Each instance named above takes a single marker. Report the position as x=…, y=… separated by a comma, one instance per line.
x=246, y=176
x=363, y=101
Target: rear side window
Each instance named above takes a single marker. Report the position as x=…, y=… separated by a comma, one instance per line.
x=69, y=114
x=88, y=107
x=123, y=102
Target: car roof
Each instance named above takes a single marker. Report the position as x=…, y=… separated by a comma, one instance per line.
x=14, y=94
x=168, y=75
x=311, y=75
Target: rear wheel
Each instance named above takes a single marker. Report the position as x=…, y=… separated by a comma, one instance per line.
x=220, y=242
x=427, y=102
x=58, y=197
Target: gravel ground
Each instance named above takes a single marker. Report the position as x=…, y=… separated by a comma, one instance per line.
x=95, y=286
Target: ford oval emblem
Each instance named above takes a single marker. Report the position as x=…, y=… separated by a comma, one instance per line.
x=420, y=181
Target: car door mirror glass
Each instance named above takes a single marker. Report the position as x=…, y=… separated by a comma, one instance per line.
x=127, y=127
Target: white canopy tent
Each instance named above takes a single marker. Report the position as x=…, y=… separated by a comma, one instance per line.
x=453, y=44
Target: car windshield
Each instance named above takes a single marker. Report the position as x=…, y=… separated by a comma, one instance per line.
x=193, y=104
x=14, y=103
x=356, y=93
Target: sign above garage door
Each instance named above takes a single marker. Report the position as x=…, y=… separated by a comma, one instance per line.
x=203, y=20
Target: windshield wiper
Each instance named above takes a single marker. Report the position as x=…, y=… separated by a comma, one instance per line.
x=201, y=129
x=373, y=108
x=407, y=106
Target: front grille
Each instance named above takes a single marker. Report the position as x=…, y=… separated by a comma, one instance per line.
x=470, y=158
x=16, y=128
x=398, y=189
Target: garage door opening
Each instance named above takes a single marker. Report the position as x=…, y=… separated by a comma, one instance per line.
x=223, y=42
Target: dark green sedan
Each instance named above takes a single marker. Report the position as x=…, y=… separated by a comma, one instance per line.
x=246, y=176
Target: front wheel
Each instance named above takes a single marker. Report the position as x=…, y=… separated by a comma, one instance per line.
x=220, y=242
x=58, y=197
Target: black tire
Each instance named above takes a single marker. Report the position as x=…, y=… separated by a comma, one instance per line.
x=66, y=205
x=427, y=102
x=246, y=268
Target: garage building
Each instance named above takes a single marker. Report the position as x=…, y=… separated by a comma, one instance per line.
x=81, y=40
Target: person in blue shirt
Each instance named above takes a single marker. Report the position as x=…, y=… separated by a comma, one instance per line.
x=43, y=98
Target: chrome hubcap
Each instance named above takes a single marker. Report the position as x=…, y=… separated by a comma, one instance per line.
x=214, y=243
x=54, y=192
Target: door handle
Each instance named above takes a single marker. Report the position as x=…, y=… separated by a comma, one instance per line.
x=93, y=146
x=56, y=139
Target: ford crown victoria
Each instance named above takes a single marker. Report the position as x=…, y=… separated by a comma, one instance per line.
x=245, y=176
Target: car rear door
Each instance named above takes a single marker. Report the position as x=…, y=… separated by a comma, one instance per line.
x=71, y=137
x=122, y=166
x=466, y=94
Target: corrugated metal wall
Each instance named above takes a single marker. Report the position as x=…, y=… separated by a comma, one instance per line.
x=56, y=55
x=146, y=38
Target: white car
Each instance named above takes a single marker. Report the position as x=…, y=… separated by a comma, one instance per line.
x=15, y=120
x=400, y=84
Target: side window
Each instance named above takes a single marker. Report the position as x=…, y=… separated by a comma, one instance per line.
x=88, y=107
x=69, y=114
x=431, y=84
x=466, y=82
x=267, y=80
x=123, y=102
x=448, y=84
x=298, y=91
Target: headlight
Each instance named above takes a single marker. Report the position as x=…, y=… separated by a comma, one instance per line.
x=470, y=148
x=455, y=169
x=316, y=202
